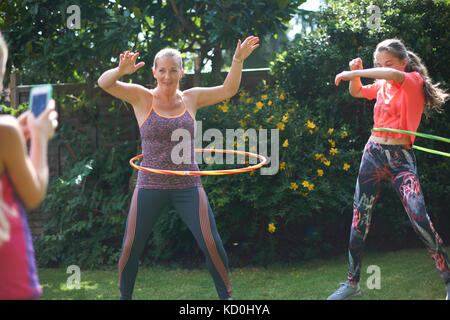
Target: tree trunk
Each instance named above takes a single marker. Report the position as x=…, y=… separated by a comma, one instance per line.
x=217, y=63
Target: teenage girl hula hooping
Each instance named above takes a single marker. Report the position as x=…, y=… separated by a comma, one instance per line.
x=159, y=112
x=403, y=91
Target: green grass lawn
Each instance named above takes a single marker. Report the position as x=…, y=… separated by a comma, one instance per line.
x=405, y=275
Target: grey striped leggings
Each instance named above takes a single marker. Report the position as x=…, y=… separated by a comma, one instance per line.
x=193, y=207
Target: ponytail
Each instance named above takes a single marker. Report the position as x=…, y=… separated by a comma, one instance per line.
x=434, y=96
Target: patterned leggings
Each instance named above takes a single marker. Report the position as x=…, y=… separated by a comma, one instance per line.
x=397, y=165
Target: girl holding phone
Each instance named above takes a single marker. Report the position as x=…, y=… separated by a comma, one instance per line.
x=23, y=183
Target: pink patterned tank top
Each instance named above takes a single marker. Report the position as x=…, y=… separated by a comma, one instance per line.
x=157, y=146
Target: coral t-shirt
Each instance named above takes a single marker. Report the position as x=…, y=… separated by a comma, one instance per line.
x=398, y=106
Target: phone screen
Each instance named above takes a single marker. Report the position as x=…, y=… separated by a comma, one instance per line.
x=38, y=103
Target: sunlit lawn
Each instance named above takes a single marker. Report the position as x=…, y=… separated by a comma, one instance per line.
x=405, y=275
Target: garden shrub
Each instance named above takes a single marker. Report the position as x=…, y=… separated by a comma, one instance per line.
x=303, y=211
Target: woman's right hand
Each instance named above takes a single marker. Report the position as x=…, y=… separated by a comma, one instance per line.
x=45, y=124
x=127, y=63
x=356, y=64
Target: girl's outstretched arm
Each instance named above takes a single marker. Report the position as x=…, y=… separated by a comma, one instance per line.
x=374, y=73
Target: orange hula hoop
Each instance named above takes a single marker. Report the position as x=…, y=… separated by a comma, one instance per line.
x=205, y=172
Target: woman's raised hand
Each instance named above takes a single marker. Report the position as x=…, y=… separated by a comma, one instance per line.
x=244, y=49
x=127, y=62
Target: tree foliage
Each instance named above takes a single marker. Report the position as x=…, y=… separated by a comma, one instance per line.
x=44, y=49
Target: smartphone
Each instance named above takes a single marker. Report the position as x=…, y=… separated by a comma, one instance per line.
x=39, y=98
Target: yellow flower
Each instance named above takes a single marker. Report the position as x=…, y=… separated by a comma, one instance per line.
x=248, y=100
x=319, y=172
x=305, y=184
x=272, y=227
x=270, y=118
x=243, y=122
x=285, y=143
x=269, y=103
x=259, y=105
x=283, y=166
x=310, y=124
x=333, y=144
x=333, y=151
x=327, y=163
x=310, y=186
x=293, y=186
x=344, y=134
x=280, y=126
x=346, y=166
x=318, y=156
x=285, y=118
x=264, y=97
x=247, y=116
x=224, y=108
x=311, y=132
x=330, y=131
x=282, y=96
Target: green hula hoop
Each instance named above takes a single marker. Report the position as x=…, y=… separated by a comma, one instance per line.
x=418, y=134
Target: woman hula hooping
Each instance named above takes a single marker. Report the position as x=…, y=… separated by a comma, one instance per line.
x=159, y=112
x=402, y=89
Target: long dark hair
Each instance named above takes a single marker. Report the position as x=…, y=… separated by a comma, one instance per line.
x=433, y=95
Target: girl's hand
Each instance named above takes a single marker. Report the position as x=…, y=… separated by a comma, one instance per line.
x=356, y=64
x=23, y=124
x=345, y=75
x=127, y=63
x=45, y=124
x=244, y=49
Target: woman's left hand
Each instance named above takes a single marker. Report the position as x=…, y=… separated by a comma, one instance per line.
x=244, y=49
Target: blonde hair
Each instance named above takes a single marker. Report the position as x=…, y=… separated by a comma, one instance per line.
x=169, y=52
x=433, y=95
x=3, y=56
